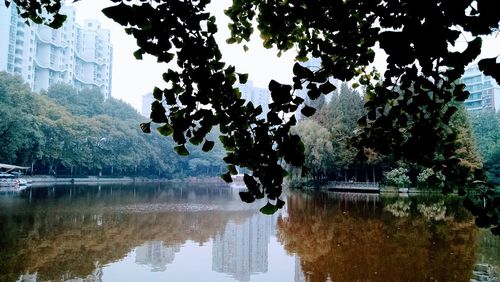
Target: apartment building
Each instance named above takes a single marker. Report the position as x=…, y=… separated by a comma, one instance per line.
x=78, y=55
x=484, y=91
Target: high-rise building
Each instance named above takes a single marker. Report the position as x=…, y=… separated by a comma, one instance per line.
x=258, y=96
x=147, y=100
x=313, y=64
x=484, y=90
x=78, y=55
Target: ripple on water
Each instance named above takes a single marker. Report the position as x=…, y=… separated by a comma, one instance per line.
x=176, y=207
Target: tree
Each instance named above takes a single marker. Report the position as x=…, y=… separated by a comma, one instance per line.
x=17, y=110
x=486, y=129
x=339, y=116
x=201, y=93
x=397, y=177
x=318, y=147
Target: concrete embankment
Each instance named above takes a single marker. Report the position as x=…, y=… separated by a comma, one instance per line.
x=41, y=180
x=46, y=180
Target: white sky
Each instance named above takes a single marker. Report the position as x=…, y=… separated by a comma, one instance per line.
x=133, y=78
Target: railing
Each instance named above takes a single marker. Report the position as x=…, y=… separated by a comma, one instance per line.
x=353, y=185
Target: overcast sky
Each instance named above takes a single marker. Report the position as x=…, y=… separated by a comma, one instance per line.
x=133, y=78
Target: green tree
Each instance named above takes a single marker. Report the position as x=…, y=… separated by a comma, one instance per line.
x=486, y=129
x=318, y=147
x=17, y=120
x=397, y=177
x=465, y=145
x=340, y=117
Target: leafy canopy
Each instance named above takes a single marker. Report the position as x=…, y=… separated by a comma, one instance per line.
x=411, y=123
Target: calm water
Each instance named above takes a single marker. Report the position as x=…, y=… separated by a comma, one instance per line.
x=179, y=233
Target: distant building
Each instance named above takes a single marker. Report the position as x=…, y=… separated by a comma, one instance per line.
x=79, y=56
x=147, y=100
x=258, y=96
x=313, y=64
x=484, y=91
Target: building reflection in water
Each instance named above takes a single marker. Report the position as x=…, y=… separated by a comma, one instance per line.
x=155, y=255
x=299, y=274
x=242, y=249
x=95, y=276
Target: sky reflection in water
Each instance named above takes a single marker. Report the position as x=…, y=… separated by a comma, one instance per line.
x=201, y=233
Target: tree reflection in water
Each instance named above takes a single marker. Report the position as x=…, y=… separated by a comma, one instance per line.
x=60, y=238
x=408, y=240
x=61, y=234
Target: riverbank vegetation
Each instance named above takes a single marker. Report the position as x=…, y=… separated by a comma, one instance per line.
x=486, y=128
x=66, y=132
x=330, y=155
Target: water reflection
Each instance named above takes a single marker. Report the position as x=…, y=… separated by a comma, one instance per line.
x=241, y=250
x=65, y=233
x=410, y=239
x=156, y=255
x=181, y=233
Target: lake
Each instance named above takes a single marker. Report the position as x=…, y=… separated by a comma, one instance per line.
x=177, y=232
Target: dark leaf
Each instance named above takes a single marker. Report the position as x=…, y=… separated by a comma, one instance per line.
x=227, y=177
x=327, y=87
x=308, y=111
x=301, y=71
x=165, y=129
x=247, y=197
x=119, y=13
x=181, y=150
x=195, y=140
x=138, y=54
x=242, y=77
x=158, y=112
x=280, y=203
x=158, y=94
x=58, y=21
x=208, y=145
x=269, y=209
x=490, y=67
x=146, y=127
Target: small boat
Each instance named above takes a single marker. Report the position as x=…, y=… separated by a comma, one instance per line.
x=22, y=181
x=12, y=182
x=8, y=181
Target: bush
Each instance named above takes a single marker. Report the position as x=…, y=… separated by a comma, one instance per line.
x=397, y=177
x=427, y=178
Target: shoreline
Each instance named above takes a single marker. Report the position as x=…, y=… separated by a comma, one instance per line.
x=51, y=180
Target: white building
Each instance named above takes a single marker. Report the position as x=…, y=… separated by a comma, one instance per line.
x=313, y=64
x=79, y=56
x=147, y=100
x=484, y=91
x=258, y=96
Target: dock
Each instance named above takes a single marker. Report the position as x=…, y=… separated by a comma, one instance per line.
x=358, y=187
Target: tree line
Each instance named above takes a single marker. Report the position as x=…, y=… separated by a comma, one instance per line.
x=63, y=131
x=486, y=127
x=330, y=154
